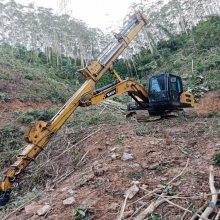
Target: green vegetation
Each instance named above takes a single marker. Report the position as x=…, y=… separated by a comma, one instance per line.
x=216, y=159
x=4, y=97
x=144, y=130
x=154, y=216
x=193, y=56
x=136, y=175
x=15, y=203
x=90, y=116
x=32, y=115
x=121, y=137
x=81, y=214
x=10, y=142
x=25, y=79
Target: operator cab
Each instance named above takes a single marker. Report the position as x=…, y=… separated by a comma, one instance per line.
x=164, y=93
x=164, y=96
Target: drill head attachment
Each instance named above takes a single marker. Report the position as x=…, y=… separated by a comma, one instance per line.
x=4, y=197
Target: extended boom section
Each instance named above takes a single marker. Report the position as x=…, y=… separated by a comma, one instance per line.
x=106, y=59
x=39, y=133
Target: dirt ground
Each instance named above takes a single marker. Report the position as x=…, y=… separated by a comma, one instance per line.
x=210, y=102
x=7, y=109
x=159, y=151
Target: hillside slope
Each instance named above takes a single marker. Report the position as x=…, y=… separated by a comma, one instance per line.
x=31, y=80
x=86, y=160
x=91, y=169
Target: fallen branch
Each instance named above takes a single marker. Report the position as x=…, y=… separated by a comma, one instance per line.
x=81, y=160
x=150, y=209
x=180, y=207
x=184, y=197
x=187, y=163
x=182, y=150
x=145, y=196
x=149, y=194
x=185, y=213
x=212, y=203
x=210, y=194
x=142, y=206
x=102, y=110
x=123, y=207
x=67, y=149
x=63, y=177
x=199, y=210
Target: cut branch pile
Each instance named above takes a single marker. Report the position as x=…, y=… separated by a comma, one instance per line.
x=159, y=196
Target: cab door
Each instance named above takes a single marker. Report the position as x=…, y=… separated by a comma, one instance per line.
x=175, y=89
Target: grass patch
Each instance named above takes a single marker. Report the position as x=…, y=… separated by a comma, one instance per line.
x=135, y=175
x=121, y=137
x=216, y=159
x=4, y=97
x=34, y=81
x=32, y=115
x=81, y=214
x=90, y=116
x=140, y=132
x=10, y=142
x=154, y=216
x=146, y=130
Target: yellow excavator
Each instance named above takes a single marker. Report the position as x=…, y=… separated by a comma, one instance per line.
x=165, y=94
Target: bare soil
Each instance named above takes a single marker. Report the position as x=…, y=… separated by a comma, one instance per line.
x=160, y=152
x=210, y=102
x=158, y=157
x=7, y=109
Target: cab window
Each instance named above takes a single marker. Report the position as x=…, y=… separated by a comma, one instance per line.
x=157, y=84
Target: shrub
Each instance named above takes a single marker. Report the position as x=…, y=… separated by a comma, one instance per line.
x=31, y=77
x=10, y=141
x=56, y=96
x=4, y=97
x=32, y=115
x=216, y=159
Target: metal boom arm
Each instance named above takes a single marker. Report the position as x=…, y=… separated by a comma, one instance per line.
x=39, y=133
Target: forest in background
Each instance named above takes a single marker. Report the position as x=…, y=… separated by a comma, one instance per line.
x=41, y=30
x=181, y=37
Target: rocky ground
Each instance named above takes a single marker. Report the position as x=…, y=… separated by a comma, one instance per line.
x=131, y=164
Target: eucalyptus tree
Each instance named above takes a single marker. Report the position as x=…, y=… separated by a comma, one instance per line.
x=168, y=18
x=3, y=23
x=40, y=30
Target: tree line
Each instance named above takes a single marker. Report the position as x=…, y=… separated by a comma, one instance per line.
x=39, y=30
x=169, y=18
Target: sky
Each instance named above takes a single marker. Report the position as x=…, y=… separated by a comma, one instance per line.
x=101, y=14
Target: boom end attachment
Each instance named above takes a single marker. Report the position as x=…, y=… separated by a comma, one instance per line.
x=4, y=197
